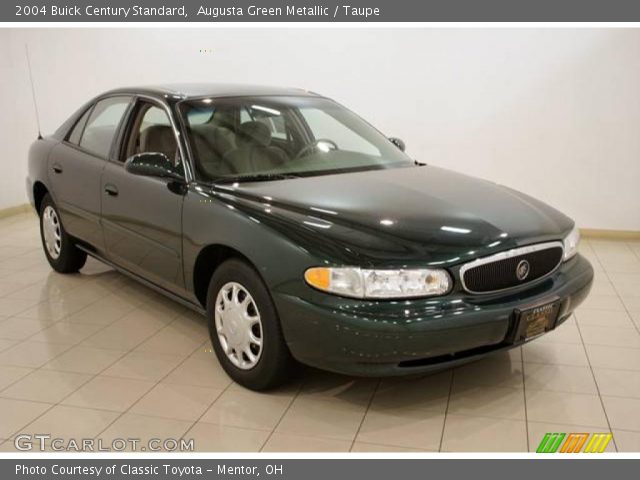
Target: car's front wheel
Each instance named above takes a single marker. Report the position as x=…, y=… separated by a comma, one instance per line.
x=245, y=329
x=61, y=252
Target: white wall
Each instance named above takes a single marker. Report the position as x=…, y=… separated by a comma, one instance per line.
x=552, y=112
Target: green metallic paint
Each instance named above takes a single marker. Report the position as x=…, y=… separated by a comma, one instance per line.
x=384, y=218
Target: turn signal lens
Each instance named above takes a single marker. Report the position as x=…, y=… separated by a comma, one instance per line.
x=342, y=281
x=380, y=284
x=318, y=277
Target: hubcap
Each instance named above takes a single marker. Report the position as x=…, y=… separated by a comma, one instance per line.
x=238, y=325
x=51, y=231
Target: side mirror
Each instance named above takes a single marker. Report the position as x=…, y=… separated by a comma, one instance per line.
x=397, y=142
x=151, y=164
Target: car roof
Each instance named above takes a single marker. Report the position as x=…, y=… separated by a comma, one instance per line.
x=184, y=91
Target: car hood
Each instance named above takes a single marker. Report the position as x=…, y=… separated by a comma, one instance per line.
x=401, y=215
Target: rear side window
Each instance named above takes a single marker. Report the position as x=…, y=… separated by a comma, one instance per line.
x=102, y=125
x=76, y=132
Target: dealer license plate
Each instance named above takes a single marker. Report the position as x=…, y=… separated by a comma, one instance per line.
x=536, y=320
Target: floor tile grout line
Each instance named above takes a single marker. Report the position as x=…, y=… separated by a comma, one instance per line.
x=46, y=300
x=626, y=430
x=606, y=273
x=30, y=338
x=195, y=422
x=636, y=252
x=92, y=375
x=366, y=411
x=604, y=409
x=12, y=435
x=52, y=322
x=120, y=413
x=95, y=375
x=22, y=287
x=152, y=387
x=10, y=346
x=524, y=393
x=66, y=396
x=626, y=370
x=624, y=305
x=574, y=424
x=71, y=346
x=28, y=252
x=36, y=369
x=513, y=419
x=275, y=427
x=446, y=409
x=469, y=415
x=140, y=306
x=53, y=405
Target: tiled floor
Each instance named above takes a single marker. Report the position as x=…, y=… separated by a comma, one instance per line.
x=97, y=355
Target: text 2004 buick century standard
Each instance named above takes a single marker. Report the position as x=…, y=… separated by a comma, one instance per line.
x=301, y=232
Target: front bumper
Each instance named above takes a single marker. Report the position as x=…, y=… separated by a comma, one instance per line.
x=29, y=186
x=380, y=338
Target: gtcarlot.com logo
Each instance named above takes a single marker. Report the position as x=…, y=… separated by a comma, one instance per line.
x=46, y=442
x=574, y=443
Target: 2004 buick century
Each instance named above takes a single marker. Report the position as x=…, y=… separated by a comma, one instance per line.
x=301, y=232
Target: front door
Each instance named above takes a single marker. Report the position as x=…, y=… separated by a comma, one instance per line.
x=142, y=216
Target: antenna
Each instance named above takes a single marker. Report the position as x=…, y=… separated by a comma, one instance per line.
x=33, y=90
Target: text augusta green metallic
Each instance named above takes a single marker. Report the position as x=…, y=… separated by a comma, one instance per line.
x=301, y=232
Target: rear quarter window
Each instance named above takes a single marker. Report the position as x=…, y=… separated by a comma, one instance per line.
x=76, y=131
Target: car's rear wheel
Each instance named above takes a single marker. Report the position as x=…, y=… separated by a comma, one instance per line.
x=245, y=329
x=61, y=252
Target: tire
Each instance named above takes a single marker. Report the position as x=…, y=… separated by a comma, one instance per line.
x=272, y=364
x=61, y=252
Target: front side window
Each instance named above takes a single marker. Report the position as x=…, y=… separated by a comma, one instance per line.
x=102, y=124
x=232, y=138
x=326, y=126
x=150, y=131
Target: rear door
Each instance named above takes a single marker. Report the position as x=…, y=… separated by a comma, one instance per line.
x=142, y=216
x=76, y=165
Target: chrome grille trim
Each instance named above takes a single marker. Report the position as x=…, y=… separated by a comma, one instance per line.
x=509, y=254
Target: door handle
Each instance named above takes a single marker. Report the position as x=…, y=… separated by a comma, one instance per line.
x=57, y=168
x=111, y=190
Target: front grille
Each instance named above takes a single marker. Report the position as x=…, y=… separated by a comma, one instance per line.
x=499, y=272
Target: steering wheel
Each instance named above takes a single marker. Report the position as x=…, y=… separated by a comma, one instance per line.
x=315, y=146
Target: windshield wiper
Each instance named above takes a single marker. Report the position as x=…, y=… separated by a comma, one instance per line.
x=256, y=177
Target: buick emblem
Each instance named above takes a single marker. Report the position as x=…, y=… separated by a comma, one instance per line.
x=522, y=270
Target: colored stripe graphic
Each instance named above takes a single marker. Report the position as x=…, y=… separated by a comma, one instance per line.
x=550, y=442
x=598, y=443
x=574, y=443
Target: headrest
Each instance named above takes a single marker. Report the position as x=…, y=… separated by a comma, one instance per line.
x=256, y=133
x=218, y=139
x=224, y=117
x=158, y=138
x=223, y=139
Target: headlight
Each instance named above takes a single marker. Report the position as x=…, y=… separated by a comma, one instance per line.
x=364, y=283
x=571, y=243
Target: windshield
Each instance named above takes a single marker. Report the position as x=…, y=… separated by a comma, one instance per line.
x=266, y=138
